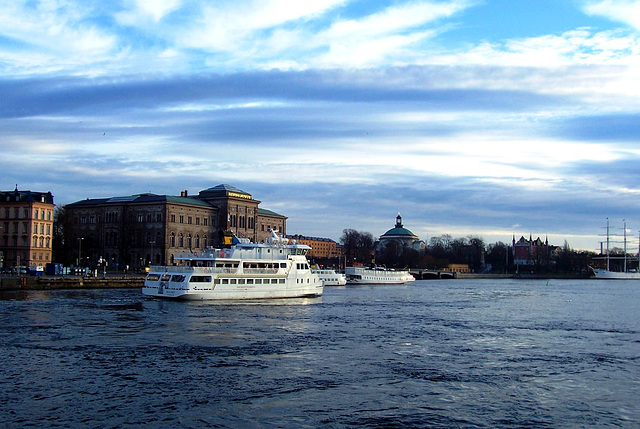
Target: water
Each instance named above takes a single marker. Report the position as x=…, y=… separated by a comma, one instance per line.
x=463, y=353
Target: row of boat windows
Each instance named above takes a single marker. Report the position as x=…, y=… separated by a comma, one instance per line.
x=180, y=278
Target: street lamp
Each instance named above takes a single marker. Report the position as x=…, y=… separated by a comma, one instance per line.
x=152, y=242
x=80, y=250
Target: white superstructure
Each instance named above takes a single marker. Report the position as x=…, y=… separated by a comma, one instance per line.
x=377, y=275
x=247, y=270
x=330, y=277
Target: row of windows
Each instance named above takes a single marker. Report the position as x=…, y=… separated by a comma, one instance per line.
x=25, y=228
x=26, y=213
x=190, y=241
x=40, y=256
x=190, y=220
x=44, y=242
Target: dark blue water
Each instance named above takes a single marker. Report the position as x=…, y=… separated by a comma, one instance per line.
x=463, y=353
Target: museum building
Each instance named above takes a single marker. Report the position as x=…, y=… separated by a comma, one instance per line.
x=148, y=229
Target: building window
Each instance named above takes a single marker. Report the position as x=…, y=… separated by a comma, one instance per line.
x=158, y=217
x=140, y=217
x=197, y=221
x=180, y=240
x=181, y=218
x=173, y=218
x=172, y=241
x=149, y=217
x=189, y=220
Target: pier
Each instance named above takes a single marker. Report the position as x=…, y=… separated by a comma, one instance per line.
x=69, y=282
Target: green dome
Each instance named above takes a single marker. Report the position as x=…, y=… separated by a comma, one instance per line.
x=399, y=230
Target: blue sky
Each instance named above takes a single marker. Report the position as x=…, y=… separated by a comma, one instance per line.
x=489, y=118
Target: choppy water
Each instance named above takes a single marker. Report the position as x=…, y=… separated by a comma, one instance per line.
x=463, y=353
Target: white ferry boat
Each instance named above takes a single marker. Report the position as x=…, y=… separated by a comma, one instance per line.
x=377, y=275
x=330, y=277
x=247, y=270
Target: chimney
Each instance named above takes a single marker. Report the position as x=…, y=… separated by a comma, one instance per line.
x=184, y=193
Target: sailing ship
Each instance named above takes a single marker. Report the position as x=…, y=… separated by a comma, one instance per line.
x=626, y=273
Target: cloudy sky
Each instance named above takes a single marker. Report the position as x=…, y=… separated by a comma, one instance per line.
x=491, y=118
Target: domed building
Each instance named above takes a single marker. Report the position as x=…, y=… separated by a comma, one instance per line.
x=401, y=237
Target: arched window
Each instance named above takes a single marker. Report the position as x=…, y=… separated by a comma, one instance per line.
x=189, y=241
x=197, y=241
x=173, y=240
x=180, y=240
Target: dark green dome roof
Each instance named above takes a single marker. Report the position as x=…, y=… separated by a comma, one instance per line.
x=399, y=230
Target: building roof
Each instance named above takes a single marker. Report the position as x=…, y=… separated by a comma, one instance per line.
x=222, y=190
x=266, y=212
x=26, y=196
x=141, y=199
x=399, y=230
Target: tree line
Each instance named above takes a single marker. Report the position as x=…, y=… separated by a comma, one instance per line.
x=444, y=250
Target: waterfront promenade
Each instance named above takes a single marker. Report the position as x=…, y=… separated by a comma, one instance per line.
x=111, y=281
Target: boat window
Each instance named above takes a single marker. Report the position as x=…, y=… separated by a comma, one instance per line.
x=233, y=281
x=274, y=281
x=165, y=277
x=178, y=278
x=249, y=281
x=225, y=281
x=281, y=281
x=153, y=277
x=216, y=281
x=240, y=281
x=258, y=281
x=200, y=279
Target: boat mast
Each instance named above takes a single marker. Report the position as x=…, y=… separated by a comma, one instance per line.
x=607, y=244
x=624, y=222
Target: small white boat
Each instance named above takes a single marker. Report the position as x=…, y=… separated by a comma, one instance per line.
x=330, y=277
x=247, y=270
x=377, y=275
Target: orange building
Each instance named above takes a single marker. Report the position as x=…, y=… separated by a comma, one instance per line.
x=26, y=228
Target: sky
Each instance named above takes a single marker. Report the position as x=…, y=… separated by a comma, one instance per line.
x=467, y=117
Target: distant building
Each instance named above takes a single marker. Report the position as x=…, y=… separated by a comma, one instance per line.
x=144, y=229
x=531, y=252
x=26, y=228
x=400, y=237
x=324, y=248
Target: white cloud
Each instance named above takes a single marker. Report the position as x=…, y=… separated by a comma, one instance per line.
x=625, y=11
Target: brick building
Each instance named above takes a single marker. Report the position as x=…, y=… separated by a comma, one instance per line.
x=26, y=228
x=140, y=230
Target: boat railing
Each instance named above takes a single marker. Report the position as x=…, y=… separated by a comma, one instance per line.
x=260, y=270
x=186, y=269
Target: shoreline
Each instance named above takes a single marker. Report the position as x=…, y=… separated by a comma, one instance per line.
x=70, y=282
x=133, y=281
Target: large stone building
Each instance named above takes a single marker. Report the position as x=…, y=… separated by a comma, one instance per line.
x=144, y=229
x=26, y=228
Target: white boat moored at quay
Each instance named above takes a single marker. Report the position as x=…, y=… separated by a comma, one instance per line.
x=275, y=269
x=330, y=277
x=377, y=275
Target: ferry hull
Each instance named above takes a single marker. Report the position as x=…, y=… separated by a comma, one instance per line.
x=231, y=294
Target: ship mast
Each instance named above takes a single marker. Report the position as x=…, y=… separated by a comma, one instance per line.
x=607, y=244
x=624, y=221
